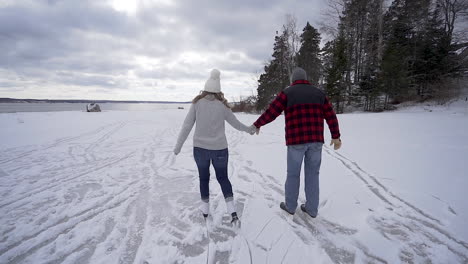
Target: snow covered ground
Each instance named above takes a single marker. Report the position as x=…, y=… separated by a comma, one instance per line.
x=105, y=187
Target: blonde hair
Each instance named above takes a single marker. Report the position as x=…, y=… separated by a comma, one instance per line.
x=219, y=96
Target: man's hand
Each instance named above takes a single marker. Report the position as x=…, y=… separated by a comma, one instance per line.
x=336, y=142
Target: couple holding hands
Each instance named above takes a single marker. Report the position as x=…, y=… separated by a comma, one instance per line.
x=305, y=107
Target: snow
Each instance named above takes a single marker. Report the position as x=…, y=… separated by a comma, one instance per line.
x=105, y=187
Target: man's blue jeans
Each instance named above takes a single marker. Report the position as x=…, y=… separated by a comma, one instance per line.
x=219, y=158
x=311, y=153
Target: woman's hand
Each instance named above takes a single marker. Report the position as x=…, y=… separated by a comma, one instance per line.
x=176, y=151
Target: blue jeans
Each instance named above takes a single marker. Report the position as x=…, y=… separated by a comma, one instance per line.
x=219, y=158
x=311, y=153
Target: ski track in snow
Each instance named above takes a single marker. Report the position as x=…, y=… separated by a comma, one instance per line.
x=79, y=200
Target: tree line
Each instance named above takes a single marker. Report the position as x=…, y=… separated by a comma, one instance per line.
x=378, y=55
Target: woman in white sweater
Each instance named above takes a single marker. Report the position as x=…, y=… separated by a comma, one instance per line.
x=208, y=111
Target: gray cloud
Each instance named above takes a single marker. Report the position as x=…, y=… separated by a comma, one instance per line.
x=173, y=74
x=89, y=80
x=90, y=44
x=7, y=84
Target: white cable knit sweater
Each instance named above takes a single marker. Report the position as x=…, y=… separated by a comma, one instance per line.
x=209, y=114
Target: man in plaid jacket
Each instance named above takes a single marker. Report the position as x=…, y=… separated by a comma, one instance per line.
x=305, y=109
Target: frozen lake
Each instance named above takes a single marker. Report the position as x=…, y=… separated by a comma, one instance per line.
x=81, y=187
x=54, y=107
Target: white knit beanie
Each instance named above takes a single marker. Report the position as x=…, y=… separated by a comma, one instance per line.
x=213, y=84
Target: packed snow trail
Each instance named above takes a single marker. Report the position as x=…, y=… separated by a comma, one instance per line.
x=106, y=188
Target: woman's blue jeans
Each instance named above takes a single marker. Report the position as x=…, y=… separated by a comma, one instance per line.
x=219, y=159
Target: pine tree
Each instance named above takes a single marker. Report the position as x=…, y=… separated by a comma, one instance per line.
x=361, y=26
x=308, y=56
x=335, y=71
x=405, y=57
x=402, y=55
x=276, y=76
x=398, y=56
x=432, y=60
x=371, y=56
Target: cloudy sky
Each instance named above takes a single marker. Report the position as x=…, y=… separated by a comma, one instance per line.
x=138, y=50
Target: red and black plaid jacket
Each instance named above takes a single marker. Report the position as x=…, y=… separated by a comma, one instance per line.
x=305, y=109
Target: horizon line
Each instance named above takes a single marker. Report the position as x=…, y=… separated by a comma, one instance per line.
x=6, y=99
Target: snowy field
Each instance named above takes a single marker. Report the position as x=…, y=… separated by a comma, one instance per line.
x=105, y=187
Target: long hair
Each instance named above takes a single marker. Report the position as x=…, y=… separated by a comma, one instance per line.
x=219, y=96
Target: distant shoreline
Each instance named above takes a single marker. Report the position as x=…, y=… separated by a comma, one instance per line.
x=82, y=101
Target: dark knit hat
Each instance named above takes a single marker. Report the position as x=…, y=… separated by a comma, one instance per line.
x=298, y=74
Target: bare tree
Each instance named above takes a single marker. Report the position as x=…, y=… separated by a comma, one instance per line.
x=452, y=11
x=293, y=41
x=331, y=17
x=380, y=31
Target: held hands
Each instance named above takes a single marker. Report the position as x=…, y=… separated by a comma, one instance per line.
x=253, y=130
x=336, y=142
